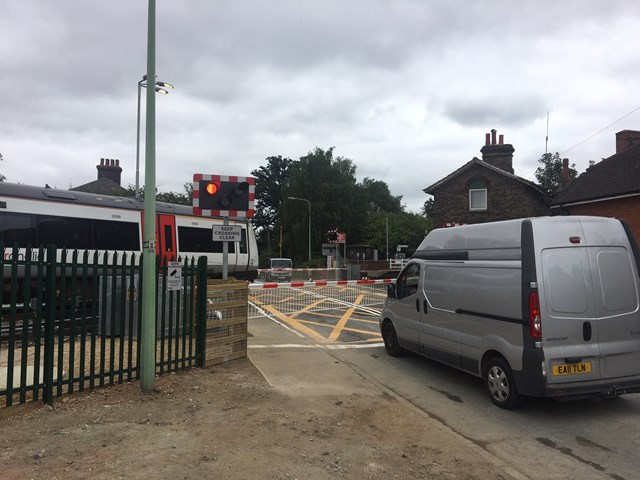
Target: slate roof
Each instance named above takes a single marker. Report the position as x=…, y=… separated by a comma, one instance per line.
x=615, y=176
x=477, y=162
x=102, y=186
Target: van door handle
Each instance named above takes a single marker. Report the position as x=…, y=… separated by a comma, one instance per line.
x=586, y=331
x=417, y=304
x=424, y=306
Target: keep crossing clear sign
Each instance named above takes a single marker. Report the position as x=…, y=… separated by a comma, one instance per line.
x=174, y=276
x=227, y=233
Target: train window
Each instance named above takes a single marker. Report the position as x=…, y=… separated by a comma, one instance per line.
x=111, y=235
x=64, y=232
x=168, y=238
x=193, y=239
x=243, y=240
x=17, y=228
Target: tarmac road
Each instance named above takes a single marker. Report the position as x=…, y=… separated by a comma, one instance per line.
x=545, y=439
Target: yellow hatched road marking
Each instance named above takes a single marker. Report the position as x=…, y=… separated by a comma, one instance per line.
x=295, y=324
x=343, y=321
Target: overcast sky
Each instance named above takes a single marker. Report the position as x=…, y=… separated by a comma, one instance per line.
x=406, y=89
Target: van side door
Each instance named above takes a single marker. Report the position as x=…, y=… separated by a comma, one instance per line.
x=407, y=308
x=440, y=336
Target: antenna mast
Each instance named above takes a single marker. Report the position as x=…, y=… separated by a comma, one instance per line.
x=546, y=142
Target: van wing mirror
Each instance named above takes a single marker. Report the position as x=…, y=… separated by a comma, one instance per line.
x=391, y=290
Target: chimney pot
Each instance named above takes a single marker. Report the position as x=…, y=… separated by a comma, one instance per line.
x=102, y=161
x=565, y=168
x=487, y=140
x=117, y=162
x=501, y=139
x=493, y=136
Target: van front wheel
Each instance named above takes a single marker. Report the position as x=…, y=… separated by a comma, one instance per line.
x=391, y=340
x=500, y=384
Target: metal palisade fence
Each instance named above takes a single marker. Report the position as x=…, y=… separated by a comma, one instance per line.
x=71, y=321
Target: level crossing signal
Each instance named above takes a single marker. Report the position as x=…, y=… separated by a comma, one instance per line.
x=223, y=195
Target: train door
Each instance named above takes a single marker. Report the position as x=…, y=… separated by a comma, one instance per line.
x=166, y=241
x=166, y=237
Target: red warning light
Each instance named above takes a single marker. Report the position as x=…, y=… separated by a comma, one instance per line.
x=212, y=188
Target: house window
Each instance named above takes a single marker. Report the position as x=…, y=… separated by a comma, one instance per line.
x=478, y=195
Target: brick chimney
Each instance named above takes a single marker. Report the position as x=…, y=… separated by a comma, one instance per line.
x=565, y=180
x=626, y=139
x=498, y=154
x=109, y=169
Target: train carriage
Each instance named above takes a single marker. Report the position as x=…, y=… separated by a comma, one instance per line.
x=35, y=216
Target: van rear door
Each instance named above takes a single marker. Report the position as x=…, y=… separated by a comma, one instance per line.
x=570, y=334
x=593, y=325
x=616, y=293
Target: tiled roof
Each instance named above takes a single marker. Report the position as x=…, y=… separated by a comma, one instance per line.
x=102, y=186
x=612, y=177
x=476, y=161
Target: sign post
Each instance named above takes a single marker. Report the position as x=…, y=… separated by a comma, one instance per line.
x=224, y=196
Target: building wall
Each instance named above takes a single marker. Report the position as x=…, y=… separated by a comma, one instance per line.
x=506, y=199
x=627, y=208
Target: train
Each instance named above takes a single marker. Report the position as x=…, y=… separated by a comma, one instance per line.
x=73, y=220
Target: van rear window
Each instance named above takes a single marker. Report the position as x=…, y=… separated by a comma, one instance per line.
x=616, y=278
x=564, y=280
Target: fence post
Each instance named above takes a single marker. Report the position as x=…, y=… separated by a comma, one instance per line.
x=201, y=312
x=49, y=330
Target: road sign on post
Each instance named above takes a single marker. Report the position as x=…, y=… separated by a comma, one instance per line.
x=227, y=233
x=223, y=196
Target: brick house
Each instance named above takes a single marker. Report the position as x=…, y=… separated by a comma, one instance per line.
x=610, y=188
x=108, y=181
x=486, y=190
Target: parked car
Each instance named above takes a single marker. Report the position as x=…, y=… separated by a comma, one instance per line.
x=544, y=307
x=279, y=270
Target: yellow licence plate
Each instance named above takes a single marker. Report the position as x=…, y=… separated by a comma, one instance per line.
x=571, y=368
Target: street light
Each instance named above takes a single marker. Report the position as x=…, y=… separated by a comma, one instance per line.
x=163, y=89
x=305, y=200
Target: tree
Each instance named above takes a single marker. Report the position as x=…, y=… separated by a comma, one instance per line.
x=427, y=208
x=270, y=179
x=379, y=198
x=167, y=197
x=549, y=174
x=337, y=201
x=404, y=229
x=2, y=177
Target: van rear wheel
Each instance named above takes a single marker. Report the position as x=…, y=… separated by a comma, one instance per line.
x=500, y=384
x=391, y=340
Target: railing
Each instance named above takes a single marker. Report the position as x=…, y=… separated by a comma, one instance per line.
x=316, y=296
x=74, y=323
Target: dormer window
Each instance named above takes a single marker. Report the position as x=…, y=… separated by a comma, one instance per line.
x=478, y=196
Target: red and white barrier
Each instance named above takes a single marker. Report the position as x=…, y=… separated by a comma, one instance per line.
x=319, y=283
x=265, y=270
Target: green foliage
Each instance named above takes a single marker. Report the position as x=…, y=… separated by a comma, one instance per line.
x=379, y=199
x=549, y=174
x=185, y=198
x=270, y=179
x=427, y=208
x=337, y=201
x=404, y=229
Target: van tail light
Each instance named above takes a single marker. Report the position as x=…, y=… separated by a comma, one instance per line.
x=535, y=323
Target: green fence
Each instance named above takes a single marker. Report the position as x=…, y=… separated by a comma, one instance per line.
x=71, y=321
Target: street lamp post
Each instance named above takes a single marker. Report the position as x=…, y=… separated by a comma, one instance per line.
x=309, y=203
x=163, y=89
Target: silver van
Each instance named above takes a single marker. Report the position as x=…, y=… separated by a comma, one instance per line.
x=544, y=307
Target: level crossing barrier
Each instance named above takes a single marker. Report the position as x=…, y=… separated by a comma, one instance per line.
x=288, y=298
